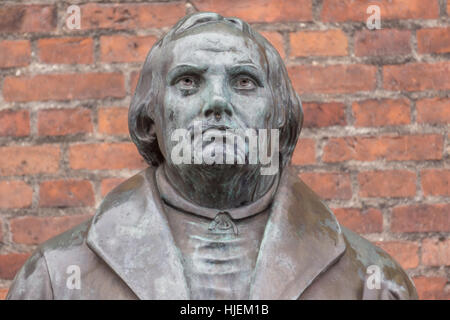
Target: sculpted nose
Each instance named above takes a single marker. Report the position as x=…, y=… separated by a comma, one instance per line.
x=217, y=105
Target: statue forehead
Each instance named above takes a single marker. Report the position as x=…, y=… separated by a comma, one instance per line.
x=222, y=43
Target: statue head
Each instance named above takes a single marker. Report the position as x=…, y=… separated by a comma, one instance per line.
x=219, y=72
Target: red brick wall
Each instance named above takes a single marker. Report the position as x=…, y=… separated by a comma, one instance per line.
x=375, y=143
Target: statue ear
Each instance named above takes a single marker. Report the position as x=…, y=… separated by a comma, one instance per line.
x=289, y=107
x=144, y=125
x=141, y=122
x=299, y=115
x=281, y=115
x=142, y=132
x=291, y=129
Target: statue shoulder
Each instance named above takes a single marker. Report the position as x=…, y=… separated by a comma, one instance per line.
x=34, y=279
x=132, y=189
x=77, y=235
x=374, y=264
x=39, y=273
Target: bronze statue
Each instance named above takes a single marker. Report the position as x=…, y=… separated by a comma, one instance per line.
x=193, y=227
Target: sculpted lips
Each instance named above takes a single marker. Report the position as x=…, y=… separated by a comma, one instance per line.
x=207, y=127
x=214, y=126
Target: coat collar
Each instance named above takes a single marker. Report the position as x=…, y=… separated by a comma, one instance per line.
x=131, y=234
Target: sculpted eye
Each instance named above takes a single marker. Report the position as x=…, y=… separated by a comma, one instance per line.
x=187, y=82
x=244, y=83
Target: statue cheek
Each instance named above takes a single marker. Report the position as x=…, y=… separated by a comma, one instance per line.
x=260, y=113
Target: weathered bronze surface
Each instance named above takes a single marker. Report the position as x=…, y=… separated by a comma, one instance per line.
x=211, y=231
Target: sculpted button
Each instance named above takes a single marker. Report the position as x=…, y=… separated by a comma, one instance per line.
x=223, y=223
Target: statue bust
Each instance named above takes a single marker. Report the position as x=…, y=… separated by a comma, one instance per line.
x=219, y=213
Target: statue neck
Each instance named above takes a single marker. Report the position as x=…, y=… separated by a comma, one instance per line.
x=219, y=187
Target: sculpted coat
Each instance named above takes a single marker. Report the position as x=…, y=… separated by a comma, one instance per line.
x=127, y=251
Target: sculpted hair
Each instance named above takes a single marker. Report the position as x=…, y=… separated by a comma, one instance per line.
x=149, y=92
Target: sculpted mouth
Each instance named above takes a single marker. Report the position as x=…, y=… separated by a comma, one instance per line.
x=216, y=127
x=206, y=127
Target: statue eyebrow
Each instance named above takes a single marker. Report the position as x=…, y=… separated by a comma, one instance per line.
x=249, y=69
x=182, y=69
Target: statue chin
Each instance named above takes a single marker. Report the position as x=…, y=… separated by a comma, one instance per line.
x=217, y=159
x=218, y=153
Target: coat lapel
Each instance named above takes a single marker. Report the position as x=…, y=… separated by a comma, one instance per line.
x=302, y=239
x=131, y=234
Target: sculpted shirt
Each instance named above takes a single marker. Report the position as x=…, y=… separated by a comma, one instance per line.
x=218, y=252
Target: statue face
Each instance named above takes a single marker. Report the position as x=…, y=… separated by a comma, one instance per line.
x=216, y=76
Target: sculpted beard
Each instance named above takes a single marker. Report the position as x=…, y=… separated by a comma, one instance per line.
x=212, y=146
x=217, y=145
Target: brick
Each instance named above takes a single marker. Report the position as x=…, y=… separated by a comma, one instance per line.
x=360, y=221
x=305, y=152
x=384, y=42
x=436, y=252
x=27, y=18
x=113, y=120
x=390, y=148
x=64, y=87
x=417, y=76
x=329, y=185
x=105, y=156
x=333, y=78
x=10, y=263
x=35, y=230
x=435, y=182
x=130, y=16
x=384, y=112
x=404, y=252
x=109, y=184
x=3, y=293
x=259, y=10
x=59, y=122
x=134, y=78
x=388, y=184
x=434, y=40
x=66, y=50
x=14, y=53
x=276, y=39
x=434, y=111
x=356, y=10
x=318, y=43
x=319, y=115
x=431, y=288
x=14, y=123
x=21, y=160
x=120, y=48
x=15, y=194
x=421, y=218
x=66, y=193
